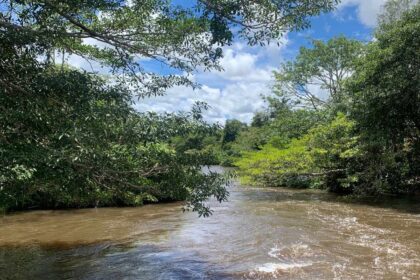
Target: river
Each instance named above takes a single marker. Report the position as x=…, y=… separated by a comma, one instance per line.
x=258, y=234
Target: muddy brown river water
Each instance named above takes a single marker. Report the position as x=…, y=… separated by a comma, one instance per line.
x=259, y=234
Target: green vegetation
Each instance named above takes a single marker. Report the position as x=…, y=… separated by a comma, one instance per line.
x=363, y=135
x=326, y=65
x=80, y=144
x=70, y=138
x=343, y=115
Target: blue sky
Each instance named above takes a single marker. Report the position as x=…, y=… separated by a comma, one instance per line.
x=236, y=92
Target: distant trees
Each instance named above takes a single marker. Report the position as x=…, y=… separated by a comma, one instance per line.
x=365, y=137
x=231, y=131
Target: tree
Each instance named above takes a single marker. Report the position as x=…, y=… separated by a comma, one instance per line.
x=231, y=131
x=274, y=167
x=80, y=144
x=70, y=138
x=260, y=119
x=386, y=85
x=316, y=77
x=323, y=157
x=386, y=101
x=335, y=150
x=371, y=149
x=392, y=11
x=123, y=34
x=293, y=123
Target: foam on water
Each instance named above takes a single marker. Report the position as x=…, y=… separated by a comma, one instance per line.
x=259, y=234
x=288, y=257
x=275, y=267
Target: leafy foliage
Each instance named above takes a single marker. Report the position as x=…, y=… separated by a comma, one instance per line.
x=334, y=149
x=324, y=67
x=385, y=90
x=80, y=144
x=374, y=148
x=123, y=34
x=276, y=167
x=319, y=157
x=71, y=138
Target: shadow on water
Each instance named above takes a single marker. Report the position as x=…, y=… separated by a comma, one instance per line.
x=260, y=233
x=105, y=261
x=403, y=203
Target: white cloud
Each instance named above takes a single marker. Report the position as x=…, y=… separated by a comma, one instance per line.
x=232, y=93
x=367, y=10
x=237, y=100
x=85, y=64
x=237, y=65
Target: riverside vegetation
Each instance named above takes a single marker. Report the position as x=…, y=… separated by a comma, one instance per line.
x=362, y=136
x=70, y=138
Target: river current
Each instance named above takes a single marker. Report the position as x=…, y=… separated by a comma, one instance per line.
x=260, y=233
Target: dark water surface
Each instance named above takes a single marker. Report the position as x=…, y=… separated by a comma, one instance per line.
x=258, y=234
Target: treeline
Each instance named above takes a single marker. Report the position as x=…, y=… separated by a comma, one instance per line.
x=344, y=115
x=70, y=138
x=220, y=145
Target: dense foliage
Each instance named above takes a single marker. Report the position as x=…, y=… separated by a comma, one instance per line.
x=80, y=144
x=123, y=35
x=363, y=137
x=70, y=138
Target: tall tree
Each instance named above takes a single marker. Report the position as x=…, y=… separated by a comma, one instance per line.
x=386, y=86
x=316, y=76
x=386, y=102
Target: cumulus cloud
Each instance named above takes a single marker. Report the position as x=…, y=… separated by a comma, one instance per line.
x=237, y=65
x=237, y=100
x=367, y=10
x=234, y=93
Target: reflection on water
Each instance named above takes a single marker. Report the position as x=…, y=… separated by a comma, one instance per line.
x=258, y=234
